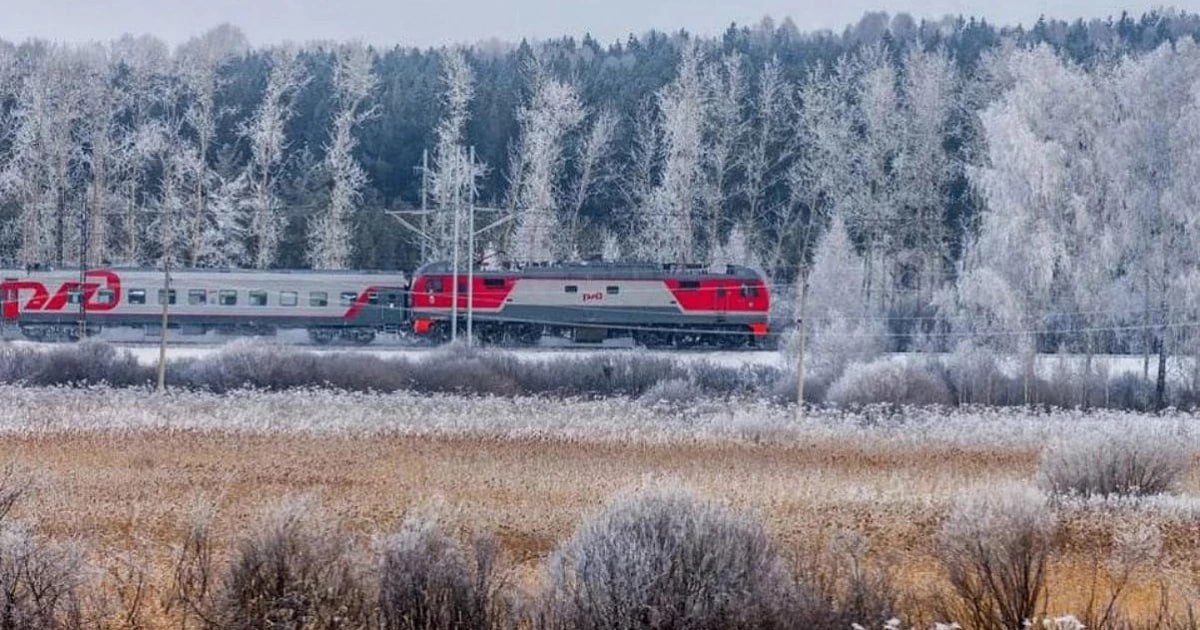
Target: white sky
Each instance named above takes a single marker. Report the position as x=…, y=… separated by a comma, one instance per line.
x=432, y=22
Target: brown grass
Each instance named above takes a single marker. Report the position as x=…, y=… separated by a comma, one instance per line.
x=131, y=491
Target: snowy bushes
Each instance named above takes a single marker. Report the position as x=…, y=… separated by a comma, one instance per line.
x=1127, y=464
x=427, y=581
x=294, y=570
x=995, y=546
x=888, y=381
x=664, y=559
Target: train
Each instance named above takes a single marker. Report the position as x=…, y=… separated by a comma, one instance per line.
x=656, y=305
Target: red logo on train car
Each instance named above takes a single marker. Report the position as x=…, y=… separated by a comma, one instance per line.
x=598, y=296
x=40, y=299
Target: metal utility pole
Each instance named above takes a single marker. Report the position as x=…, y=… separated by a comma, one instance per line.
x=168, y=246
x=83, y=250
x=800, y=345
x=454, y=257
x=424, y=204
x=471, y=257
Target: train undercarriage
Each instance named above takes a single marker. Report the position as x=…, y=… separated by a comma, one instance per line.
x=520, y=335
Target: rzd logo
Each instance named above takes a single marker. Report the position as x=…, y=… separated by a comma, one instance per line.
x=598, y=296
x=41, y=300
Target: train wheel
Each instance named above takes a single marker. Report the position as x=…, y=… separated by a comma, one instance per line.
x=321, y=336
x=359, y=337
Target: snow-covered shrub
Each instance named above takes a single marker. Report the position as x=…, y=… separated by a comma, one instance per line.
x=830, y=348
x=665, y=559
x=888, y=380
x=1134, y=463
x=975, y=375
x=845, y=586
x=294, y=569
x=673, y=392
x=994, y=546
x=41, y=581
x=426, y=580
x=89, y=362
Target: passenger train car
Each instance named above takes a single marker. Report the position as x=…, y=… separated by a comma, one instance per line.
x=656, y=305
x=346, y=306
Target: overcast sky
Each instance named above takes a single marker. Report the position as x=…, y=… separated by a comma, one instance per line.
x=432, y=22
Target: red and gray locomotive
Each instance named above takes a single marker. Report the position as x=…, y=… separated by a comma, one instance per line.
x=656, y=305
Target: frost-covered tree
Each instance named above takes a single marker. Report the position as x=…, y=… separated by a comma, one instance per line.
x=669, y=234
x=199, y=61
x=725, y=127
x=872, y=210
x=769, y=151
x=553, y=111
x=592, y=162
x=145, y=76
x=329, y=232
x=45, y=154
x=452, y=176
x=637, y=184
x=925, y=169
x=265, y=133
x=1153, y=166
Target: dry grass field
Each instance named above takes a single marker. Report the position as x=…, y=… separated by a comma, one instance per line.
x=119, y=470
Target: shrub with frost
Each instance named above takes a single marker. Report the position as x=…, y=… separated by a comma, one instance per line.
x=664, y=559
x=994, y=546
x=1134, y=463
x=294, y=569
x=888, y=380
x=428, y=582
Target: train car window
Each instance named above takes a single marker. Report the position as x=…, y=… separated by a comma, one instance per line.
x=168, y=294
x=106, y=296
x=258, y=298
x=435, y=286
x=570, y=288
x=749, y=291
x=493, y=283
x=137, y=296
x=690, y=285
x=197, y=297
x=347, y=298
x=288, y=298
x=318, y=298
x=227, y=297
x=74, y=296
x=372, y=298
x=612, y=290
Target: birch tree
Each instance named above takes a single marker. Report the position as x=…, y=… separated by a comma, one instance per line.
x=770, y=150
x=329, y=232
x=670, y=235
x=592, y=163
x=265, y=132
x=554, y=109
x=724, y=132
x=199, y=61
x=452, y=177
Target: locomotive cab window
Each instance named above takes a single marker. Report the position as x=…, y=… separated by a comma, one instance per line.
x=318, y=298
x=137, y=296
x=227, y=297
x=570, y=288
x=749, y=291
x=690, y=285
x=613, y=290
x=347, y=298
x=434, y=286
x=166, y=294
x=288, y=298
x=197, y=297
x=258, y=298
x=493, y=283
